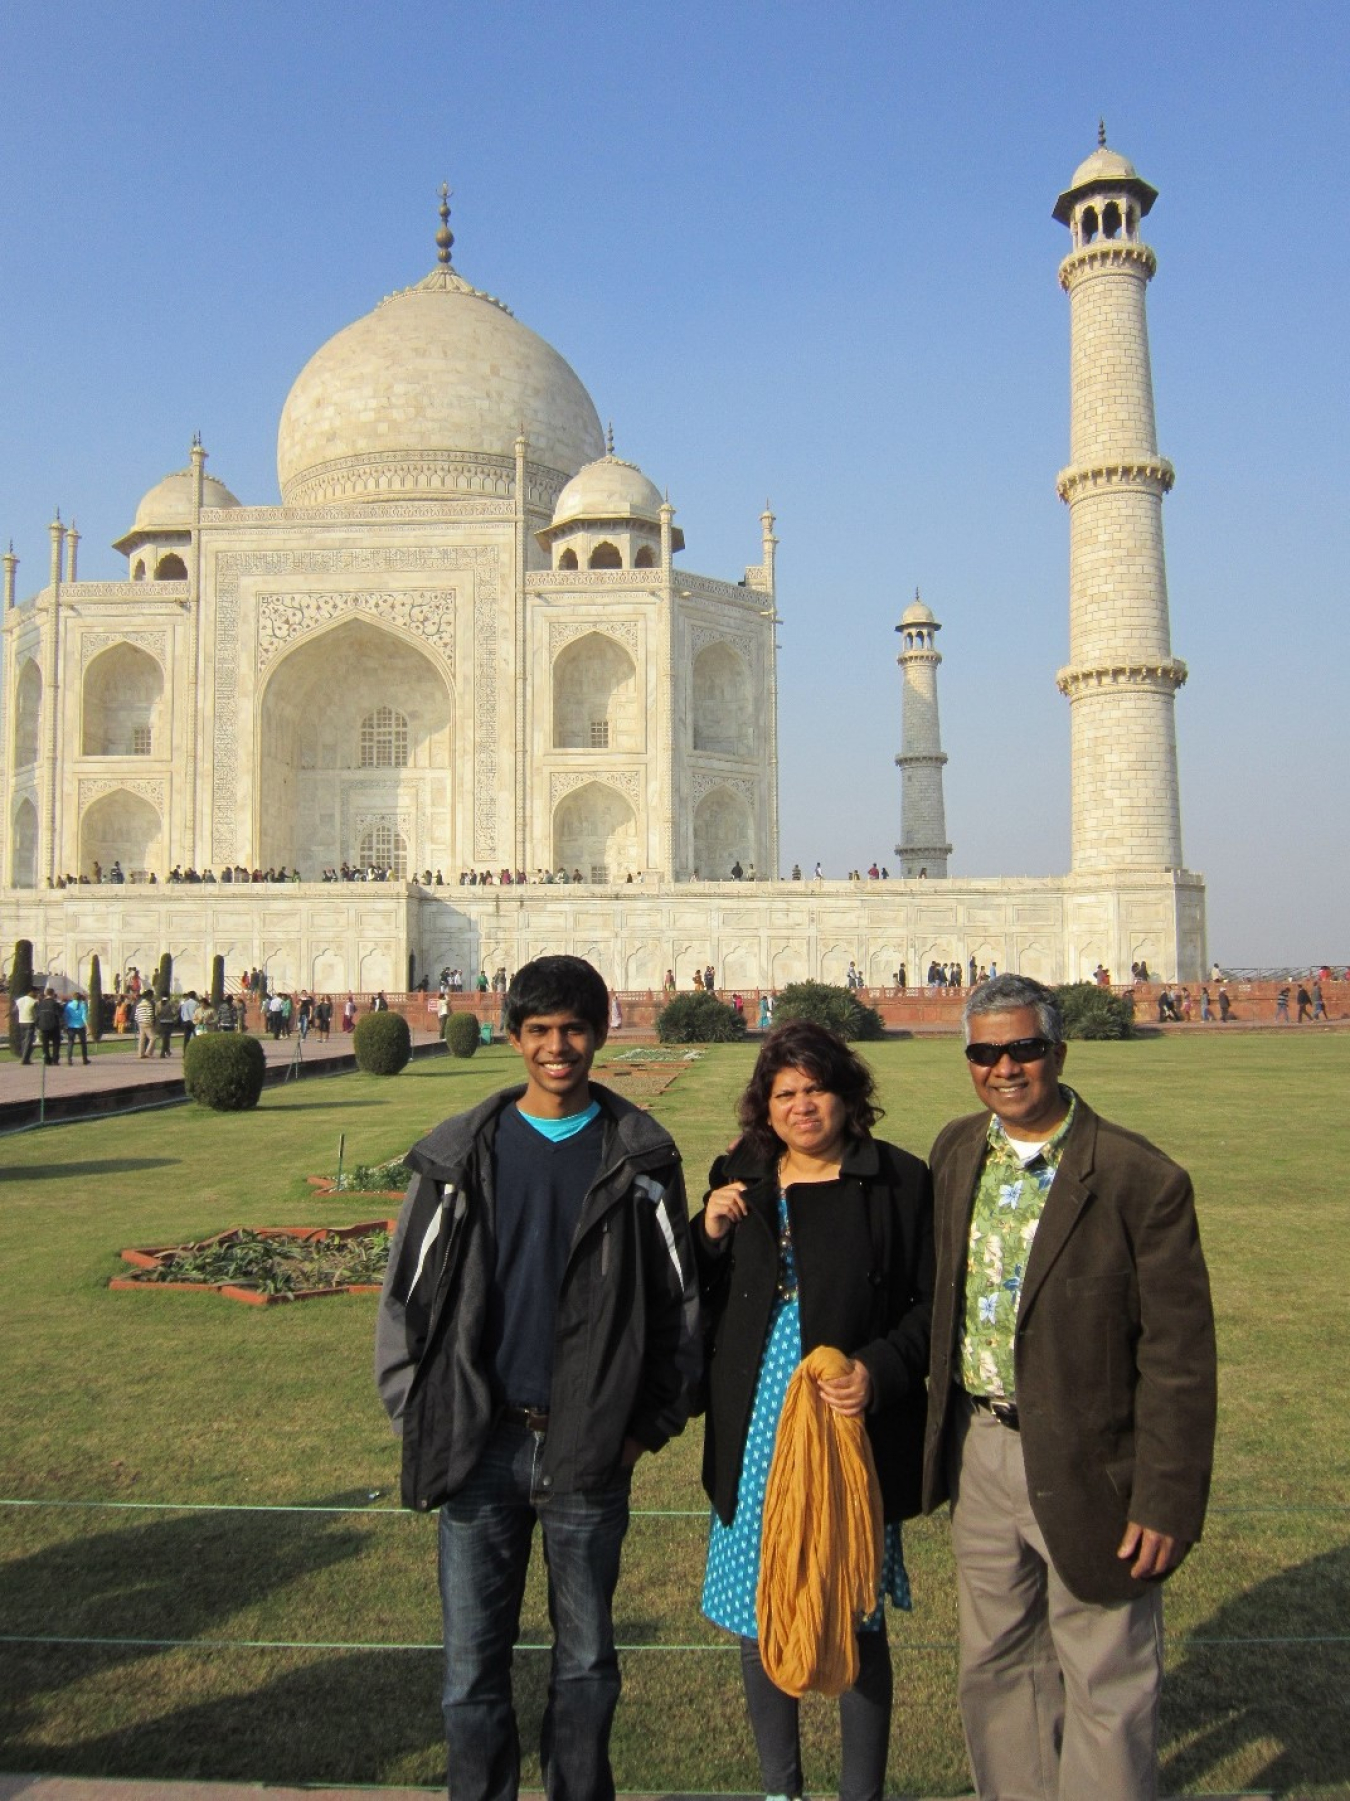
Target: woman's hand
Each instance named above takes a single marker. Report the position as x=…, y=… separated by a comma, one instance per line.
x=848, y=1394
x=723, y=1208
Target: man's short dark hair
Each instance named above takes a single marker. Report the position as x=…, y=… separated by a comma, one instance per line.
x=557, y=985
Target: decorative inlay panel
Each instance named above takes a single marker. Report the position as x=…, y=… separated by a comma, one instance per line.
x=485, y=725
x=93, y=643
x=282, y=617
x=148, y=787
x=627, y=781
x=562, y=632
x=701, y=636
x=704, y=783
x=128, y=590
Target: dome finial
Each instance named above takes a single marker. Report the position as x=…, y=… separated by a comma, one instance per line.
x=1101, y=134
x=444, y=237
x=609, y=439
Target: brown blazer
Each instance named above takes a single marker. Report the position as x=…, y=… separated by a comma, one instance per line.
x=1114, y=1349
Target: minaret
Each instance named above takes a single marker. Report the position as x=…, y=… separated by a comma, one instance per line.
x=1122, y=677
x=923, y=821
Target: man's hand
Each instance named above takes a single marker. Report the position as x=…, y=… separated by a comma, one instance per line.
x=848, y=1394
x=1154, y=1553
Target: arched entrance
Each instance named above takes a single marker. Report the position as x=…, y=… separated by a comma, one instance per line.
x=595, y=704
x=722, y=835
x=723, y=721
x=120, y=827
x=355, y=753
x=23, y=843
x=120, y=712
x=595, y=831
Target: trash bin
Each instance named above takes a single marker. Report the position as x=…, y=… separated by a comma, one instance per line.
x=485, y=1032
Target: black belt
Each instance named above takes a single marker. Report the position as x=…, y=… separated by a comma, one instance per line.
x=1005, y=1412
x=534, y=1419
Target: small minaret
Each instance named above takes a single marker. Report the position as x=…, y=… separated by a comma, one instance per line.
x=1122, y=678
x=11, y=563
x=923, y=849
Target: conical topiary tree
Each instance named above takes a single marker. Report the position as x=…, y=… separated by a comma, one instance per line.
x=95, y=998
x=163, y=977
x=217, y=980
x=20, y=981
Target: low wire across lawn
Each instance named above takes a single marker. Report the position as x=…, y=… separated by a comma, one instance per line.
x=213, y=1578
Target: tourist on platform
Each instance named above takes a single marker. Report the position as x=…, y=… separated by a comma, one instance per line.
x=323, y=1018
x=1207, y=1007
x=77, y=1027
x=188, y=1009
x=25, y=1014
x=1071, y=1411
x=813, y=1233
x=1303, y=1000
x=349, y=1014
x=1225, y=1004
x=553, y=1216
x=50, y=1018
x=144, y=1016
x=166, y=1024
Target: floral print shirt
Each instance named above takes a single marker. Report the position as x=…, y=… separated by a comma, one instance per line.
x=1009, y=1199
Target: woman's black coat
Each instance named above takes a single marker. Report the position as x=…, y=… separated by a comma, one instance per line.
x=863, y=1245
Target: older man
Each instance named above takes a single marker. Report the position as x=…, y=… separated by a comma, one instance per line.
x=1071, y=1411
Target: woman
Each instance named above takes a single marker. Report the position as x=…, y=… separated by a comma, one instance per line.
x=813, y=1233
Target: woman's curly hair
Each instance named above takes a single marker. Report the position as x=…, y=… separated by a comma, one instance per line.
x=800, y=1044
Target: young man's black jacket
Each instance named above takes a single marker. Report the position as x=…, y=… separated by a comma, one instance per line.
x=626, y=1337
x=863, y=1247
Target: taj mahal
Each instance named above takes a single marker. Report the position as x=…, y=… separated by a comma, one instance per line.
x=466, y=641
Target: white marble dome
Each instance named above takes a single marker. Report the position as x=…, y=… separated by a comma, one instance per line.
x=918, y=613
x=1104, y=164
x=410, y=396
x=168, y=505
x=608, y=488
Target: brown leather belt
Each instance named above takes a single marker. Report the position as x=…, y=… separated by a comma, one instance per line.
x=534, y=1419
x=1005, y=1412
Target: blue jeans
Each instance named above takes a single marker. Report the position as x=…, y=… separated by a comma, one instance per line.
x=485, y=1535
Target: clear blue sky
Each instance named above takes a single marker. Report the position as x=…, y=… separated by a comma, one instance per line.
x=794, y=251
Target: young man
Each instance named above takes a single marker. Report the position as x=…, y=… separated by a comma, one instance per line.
x=538, y=1332
x=1070, y=1411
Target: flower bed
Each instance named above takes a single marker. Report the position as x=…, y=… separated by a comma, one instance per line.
x=265, y=1265
x=381, y=1181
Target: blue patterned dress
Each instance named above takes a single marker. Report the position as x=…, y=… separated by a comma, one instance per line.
x=732, y=1574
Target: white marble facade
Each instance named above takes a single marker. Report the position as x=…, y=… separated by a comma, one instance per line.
x=462, y=641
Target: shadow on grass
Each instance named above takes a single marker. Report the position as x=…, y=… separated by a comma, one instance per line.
x=98, y=1166
x=1258, y=1712
x=275, y=1714
x=289, y=1106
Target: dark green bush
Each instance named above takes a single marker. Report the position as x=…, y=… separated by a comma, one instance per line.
x=382, y=1043
x=461, y=1034
x=164, y=977
x=217, y=980
x=95, y=999
x=224, y=1070
x=699, y=1019
x=838, y=1008
x=1093, y=1012
x=20, y=981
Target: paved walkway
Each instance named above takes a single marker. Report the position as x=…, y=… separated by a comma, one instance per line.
x=117, y=1079
x=76, y=1788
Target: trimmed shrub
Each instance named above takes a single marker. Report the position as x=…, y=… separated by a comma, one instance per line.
x=217, y=980
x=699, y=1018
x=461, y=1034
x=163, y=978
x=95, y=998
x=20, y=981
x=1093, y=1012
x=838, y=1008
x=382, y=1043
x=224, y=1070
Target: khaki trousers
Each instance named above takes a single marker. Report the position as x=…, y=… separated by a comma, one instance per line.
x=1059, y=1697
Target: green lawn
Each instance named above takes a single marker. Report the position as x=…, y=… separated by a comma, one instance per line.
x=289, y=1646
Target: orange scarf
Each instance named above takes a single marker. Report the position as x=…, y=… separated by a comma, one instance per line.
x=820, y=1555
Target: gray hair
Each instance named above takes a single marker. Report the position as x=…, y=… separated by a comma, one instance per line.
x=1009, y=994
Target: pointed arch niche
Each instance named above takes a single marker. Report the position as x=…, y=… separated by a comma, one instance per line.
x=595, y=831
x=595, y=696
x=723, y=719
x=723, y=835
x=121, y=827
x=27, y=714
x=120, y=704
x=23, y=844
x=355, y=737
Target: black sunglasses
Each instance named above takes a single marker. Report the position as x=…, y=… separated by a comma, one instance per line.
x=1021, y=1050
